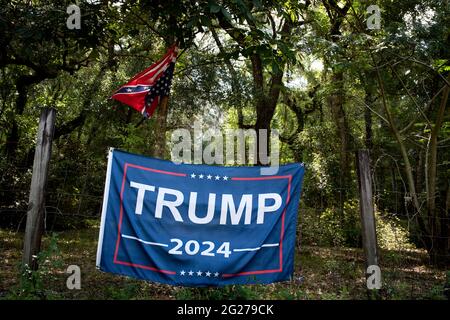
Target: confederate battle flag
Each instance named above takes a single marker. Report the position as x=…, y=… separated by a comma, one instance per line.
x=146, y=89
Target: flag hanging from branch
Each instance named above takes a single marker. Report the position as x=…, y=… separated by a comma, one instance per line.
x=146, y=89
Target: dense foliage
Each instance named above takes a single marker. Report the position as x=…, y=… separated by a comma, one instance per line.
x=310, y=69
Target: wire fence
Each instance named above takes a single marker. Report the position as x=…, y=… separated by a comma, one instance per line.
x=75, y=194
x=72, y=193
x=329, y=237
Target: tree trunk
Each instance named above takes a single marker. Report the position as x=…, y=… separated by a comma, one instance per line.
x=13, y=137
x=336, y=104
x=236, y=92
x=265, y=109
x=337, y=16
x=163, y=110
x=161, y=128
x=435, y=219
x=368, y=121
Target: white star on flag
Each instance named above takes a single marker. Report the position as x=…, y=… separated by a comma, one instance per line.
x=225, y=178
x=193, y=175
x=208, y=274
x=191, y=273
x=145, y=90
x=209, y=177
x=216, y=274
x=199, y=273
x=183, y=272
x=201, y=176
x=217, y=177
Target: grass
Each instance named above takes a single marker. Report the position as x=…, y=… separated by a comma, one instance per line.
x=320, y=273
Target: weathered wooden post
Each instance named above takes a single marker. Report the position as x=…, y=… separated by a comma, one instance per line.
x=369, y=235
x=36, y=202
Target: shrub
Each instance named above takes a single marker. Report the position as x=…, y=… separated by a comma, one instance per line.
x=33, y=282
x=391, y=234
x=332, y=227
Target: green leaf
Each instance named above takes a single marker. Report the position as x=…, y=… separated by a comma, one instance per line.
x=226, y=14
x=257, y=4
x=192, y=22
x=275, y=67
x=293, y=16
x=205, y=20
x=214, y=7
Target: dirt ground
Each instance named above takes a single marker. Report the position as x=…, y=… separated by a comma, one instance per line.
x=320, y=273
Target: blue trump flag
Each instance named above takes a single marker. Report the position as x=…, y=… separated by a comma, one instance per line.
x=198, y=225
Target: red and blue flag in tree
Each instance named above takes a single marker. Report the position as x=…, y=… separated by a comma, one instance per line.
x=146, y=89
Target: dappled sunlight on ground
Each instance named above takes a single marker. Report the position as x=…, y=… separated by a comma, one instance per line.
x=320, y=273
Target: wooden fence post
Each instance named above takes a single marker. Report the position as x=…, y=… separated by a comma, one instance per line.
x=36, y=203
x=369, y=235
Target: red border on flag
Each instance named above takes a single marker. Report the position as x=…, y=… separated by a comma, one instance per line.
x=280, y=269
x=289, y=177
x=116, y=261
